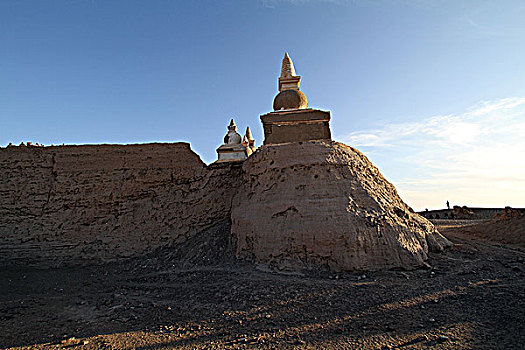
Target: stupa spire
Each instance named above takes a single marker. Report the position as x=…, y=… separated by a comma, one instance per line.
x=232, y=126
x=292, y=120
x=249, y=134
x=288, y=80
x=287, y=69
x=250, y=141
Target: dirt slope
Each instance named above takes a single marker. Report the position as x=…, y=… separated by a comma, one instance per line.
x=505, y=230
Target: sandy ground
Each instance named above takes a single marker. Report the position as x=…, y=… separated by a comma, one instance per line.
x=473, y=297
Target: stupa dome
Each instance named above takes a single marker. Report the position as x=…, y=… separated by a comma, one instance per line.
x=290, y=99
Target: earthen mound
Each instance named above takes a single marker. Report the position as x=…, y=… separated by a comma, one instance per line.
x=306, y=205
x=463, y=212
x=502, y=229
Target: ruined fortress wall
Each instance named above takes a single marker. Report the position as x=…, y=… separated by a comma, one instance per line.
x=94, y=203
x=466, y=213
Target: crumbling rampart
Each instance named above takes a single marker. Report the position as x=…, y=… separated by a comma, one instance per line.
x=298, y=205
x=95, y=203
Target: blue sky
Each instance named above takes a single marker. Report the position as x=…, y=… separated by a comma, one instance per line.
x=433, y=92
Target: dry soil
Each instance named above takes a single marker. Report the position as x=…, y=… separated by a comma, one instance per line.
x=197, y=296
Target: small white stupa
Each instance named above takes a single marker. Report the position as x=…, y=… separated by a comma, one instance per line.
x=235, y=147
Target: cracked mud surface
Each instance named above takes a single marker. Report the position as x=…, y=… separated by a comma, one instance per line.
x=472, y=298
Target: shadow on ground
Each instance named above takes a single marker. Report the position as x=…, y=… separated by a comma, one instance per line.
x=473, y=297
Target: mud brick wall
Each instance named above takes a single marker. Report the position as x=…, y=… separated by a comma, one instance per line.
x=71, y=205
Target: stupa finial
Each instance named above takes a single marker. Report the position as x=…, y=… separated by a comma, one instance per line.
x=288, y=80
x=249, y=134
x=232, y=125
x=249, y=141
x=289, y=97
x=287, y=69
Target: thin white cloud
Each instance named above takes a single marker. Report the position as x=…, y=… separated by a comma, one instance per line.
x=477, y=157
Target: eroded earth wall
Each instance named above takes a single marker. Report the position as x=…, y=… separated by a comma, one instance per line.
x=94, y=203
x=321, y=203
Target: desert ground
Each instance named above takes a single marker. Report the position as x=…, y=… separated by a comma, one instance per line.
x=197, y=296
